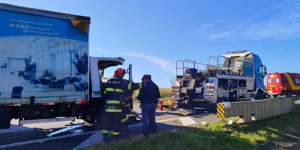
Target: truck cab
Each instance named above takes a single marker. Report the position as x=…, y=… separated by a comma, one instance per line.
x=203, y=85
x=97, y=67
x=97, y=81
x=274, y=84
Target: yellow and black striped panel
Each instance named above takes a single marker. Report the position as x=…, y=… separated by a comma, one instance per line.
x=220, y=110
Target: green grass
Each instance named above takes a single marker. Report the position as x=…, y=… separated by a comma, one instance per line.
x=212, y=136
x=165, y=94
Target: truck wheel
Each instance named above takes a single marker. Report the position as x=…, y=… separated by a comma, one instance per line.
x=191, y=105
x=289, y=94
x=5, y=117
x=213, y=108
x=275, y=95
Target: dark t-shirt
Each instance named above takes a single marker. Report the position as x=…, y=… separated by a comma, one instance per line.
x=149, y=93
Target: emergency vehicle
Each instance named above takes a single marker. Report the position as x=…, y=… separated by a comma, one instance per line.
x=283, y=84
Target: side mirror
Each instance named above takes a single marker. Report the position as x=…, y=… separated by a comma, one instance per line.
x=262, y=70
x=129, y=71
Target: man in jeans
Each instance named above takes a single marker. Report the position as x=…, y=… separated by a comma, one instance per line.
x=148, y=97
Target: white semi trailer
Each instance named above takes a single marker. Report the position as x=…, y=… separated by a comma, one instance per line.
x=46, y=70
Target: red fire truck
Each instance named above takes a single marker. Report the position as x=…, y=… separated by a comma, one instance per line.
x=283, y=84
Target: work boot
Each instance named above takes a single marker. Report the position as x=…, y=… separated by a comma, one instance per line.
x=116, y=137
x=106, y=139
x=113, y=137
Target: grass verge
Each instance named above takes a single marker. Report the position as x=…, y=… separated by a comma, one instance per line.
x=165, y=94
x=212, y=136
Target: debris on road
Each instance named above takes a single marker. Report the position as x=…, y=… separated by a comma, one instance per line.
x=63, y=130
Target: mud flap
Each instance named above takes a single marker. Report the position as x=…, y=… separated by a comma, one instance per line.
x=5, y=117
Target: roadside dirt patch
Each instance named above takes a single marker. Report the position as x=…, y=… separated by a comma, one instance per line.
x=290, y=140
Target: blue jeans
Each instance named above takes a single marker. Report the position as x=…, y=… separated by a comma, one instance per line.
x=148, y=120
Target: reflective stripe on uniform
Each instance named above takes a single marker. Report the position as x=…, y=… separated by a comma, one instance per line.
x=113, y=110
x=113, y=90
x=119, y=90
x=232, y=90
x=109, y=90
x=129, y=86
x=112, y=102
x=140, y=84
x=105, y=131
x=123, y=120
x=115, y=133
x=127, y=105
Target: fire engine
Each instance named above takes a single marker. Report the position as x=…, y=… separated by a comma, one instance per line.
x=283, y=84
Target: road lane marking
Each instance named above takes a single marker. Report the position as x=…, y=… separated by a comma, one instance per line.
x=187, y=121
x=43, y=140
x=167, y=120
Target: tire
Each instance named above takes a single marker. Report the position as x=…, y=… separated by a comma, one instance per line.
x=275, y=95
x=289, y=94
x=5, y=117
x=213, y=108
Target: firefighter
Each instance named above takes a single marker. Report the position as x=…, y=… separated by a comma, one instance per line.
x=114, y=97
x=126, y=108
x=232, y=88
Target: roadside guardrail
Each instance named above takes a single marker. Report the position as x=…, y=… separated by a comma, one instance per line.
x=249, y=111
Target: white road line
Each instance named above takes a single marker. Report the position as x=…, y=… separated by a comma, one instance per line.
x=187, y=121
x=43, y=140
x=179, y=118
x=168, y=120
x=139, y=124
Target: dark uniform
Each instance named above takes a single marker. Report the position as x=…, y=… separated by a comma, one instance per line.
x=114, y=97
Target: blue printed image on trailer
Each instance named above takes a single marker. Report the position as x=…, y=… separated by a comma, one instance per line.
x=43, y=55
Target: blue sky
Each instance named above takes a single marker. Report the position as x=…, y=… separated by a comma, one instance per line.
x=152, y=35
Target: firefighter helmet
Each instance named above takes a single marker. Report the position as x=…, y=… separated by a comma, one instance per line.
x=119, y=72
